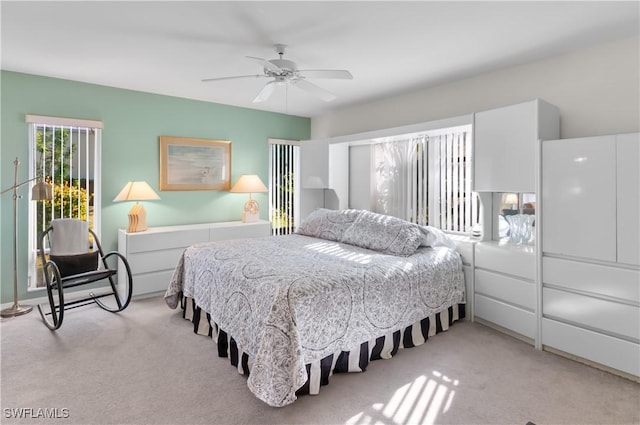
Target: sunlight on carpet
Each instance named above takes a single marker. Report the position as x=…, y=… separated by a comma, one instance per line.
x=420, y=401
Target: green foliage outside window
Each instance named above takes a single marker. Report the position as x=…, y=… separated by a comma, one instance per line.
x=54, y=151
x=70, y=199
x=280, y=217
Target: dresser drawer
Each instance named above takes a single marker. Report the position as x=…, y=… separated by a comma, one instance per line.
x=240, y=231
x=142, y=242
x=598, y=279
x=145, y=262
x=148, y=283
x=505, y=288
x=517, y=260
x=505, y=315
x=594, y=313
x=606, y=350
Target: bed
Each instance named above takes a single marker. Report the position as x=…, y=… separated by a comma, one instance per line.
x=349, y=287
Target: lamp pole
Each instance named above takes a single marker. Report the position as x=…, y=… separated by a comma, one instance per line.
x=16, y=309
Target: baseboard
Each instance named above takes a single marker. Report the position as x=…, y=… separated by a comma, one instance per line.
x=591, y=363
x=504, y=331
x=559, y=352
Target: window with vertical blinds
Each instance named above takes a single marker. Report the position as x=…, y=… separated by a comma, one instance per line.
x=65, y=153
x=284, y=160
x=426, y=179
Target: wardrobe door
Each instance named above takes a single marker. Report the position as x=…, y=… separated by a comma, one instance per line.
x=579, y=199
x=628, y=191
x=505, y=143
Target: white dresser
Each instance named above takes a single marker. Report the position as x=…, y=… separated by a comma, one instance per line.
x=505, y=288
x=154, y=253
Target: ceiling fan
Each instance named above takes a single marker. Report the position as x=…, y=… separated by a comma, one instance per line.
x=285, y=71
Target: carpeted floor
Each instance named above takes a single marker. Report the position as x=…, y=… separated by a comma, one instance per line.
x=145, y=366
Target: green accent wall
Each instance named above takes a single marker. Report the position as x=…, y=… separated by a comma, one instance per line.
x=133, y=122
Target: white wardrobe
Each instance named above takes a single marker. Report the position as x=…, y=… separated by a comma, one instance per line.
x=504, y=283
x=590, y=278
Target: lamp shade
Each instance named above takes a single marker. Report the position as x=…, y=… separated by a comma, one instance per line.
x=136, y=191
x=249, y=183
x=41, y=191
x=511, y=198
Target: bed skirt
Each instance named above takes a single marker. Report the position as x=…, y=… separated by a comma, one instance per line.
x=318, y=372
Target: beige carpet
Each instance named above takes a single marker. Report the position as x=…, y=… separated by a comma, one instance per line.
x=145, y=366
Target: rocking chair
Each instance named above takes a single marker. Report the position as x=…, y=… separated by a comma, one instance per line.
x=72, y=263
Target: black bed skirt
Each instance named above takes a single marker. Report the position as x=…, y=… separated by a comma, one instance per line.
x=318, y=372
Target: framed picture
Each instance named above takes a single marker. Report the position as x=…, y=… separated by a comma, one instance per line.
x=194, y=164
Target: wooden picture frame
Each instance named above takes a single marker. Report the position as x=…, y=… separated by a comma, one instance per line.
x=194, y=164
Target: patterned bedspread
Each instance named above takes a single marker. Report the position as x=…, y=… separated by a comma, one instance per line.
x=290, y=300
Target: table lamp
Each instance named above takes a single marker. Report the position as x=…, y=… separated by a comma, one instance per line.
x=249, y=183
x=512, y=199
x=137, y=191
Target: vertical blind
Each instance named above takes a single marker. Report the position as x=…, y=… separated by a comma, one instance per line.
x=283, y=185
x=66, y=153
x=453, y=206
x=427, y=180
x=63, y=158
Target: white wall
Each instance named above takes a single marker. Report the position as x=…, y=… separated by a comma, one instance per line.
x=597, y=91
x=360, y=177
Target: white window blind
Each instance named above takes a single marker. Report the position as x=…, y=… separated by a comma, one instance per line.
x=284, y=159
x=426, y=179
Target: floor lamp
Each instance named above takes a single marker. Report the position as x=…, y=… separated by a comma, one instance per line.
x=40, y=192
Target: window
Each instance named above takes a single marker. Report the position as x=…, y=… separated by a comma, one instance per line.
x=284, y=160
x=65, y=153
x=426, y=179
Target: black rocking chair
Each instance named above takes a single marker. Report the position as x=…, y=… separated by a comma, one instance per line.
x=72, y=263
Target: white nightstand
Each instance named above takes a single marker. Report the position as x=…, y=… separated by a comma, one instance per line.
x=505, y=287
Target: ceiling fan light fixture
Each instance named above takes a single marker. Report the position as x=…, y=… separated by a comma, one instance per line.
x=286, y=66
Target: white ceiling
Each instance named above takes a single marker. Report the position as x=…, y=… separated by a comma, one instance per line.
x=389, y=47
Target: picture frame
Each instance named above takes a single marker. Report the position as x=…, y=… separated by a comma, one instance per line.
x=194, y=164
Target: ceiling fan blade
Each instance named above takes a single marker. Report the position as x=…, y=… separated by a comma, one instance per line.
x=313, y=89
x=341, y=74
x=266, y=64
x=233, y=78
x=266, y=92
